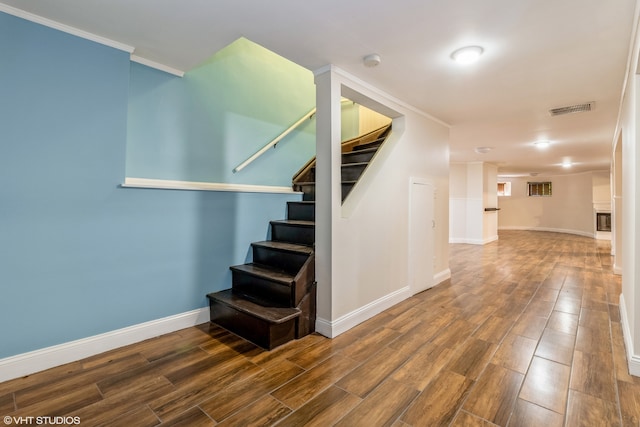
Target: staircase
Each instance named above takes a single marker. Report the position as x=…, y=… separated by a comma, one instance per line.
x=272, y=300
x=357, y=153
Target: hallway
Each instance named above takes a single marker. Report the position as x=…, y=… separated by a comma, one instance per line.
x=526, y=333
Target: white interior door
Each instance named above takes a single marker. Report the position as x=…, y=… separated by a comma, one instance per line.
x=421, y=235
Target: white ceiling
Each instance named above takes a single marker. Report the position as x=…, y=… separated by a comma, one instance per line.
x=539, y=54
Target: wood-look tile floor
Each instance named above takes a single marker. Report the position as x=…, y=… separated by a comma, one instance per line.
x=526, y=333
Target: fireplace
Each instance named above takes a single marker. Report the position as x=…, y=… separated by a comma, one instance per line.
x=603, y=221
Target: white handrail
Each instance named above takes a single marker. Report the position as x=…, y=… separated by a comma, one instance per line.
x=274, y=142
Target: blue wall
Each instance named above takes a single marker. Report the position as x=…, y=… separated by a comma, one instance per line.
x=80, y=256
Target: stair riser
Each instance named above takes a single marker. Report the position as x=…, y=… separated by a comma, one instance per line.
x=308, y=190
x=374, y=144
x=262, y=290
x=301, y=211
x=358, y=157
x=303, y=235
x=352, y=172
x=287, y=261
x=264, y=334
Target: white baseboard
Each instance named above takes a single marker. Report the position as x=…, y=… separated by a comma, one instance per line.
x=457, y=240
x=334, y=328
x=343, y=324
x=551, y=230
x=633, y=360
x=490, y=239
x=617, y=270
x=441, y=277
x=39, y=360
x=466, y=241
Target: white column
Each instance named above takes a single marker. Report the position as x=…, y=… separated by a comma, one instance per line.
x=328, y=186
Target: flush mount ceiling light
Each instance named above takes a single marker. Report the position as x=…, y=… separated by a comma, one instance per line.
x=541, y=144
x=371, y=60
x=566, y=164
x=467, y=55
x=483, y=150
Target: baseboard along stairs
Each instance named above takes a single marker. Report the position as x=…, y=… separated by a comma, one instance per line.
x=272, y=299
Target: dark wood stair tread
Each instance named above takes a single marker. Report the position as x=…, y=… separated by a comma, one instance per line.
x=285, y=246
x=296, y=222
x=265, y=272
x=273, y=315
x=360, y=151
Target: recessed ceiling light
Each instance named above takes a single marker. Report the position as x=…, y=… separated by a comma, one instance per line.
x=566, y=164
x=467, y=55
x=483, y=150
x=541, y=144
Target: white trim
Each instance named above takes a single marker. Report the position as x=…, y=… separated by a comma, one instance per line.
x=633, y=360
x=552, y=230
x=162, y=184
x=64, y=28
x=39, y=360
x=441, y=277
x=617, y=269
x=334, y=328
x=456, y=240
x=467, y=241
x=359, y=82
x=156, y=65
x=412, y=259
x=490, y=239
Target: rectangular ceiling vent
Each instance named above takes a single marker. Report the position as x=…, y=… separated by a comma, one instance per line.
x=579, y=108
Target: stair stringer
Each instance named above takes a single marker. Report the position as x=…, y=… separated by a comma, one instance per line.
x=305, y=280
x=378, y=163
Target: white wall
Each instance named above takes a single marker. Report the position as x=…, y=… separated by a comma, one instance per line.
x=601, y=187
x=362, y=246
x=629, y=203
x=568, y=210
x=473, y=187
x=457, y=202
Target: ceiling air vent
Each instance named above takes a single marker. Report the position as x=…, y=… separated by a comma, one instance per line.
x=579, y=108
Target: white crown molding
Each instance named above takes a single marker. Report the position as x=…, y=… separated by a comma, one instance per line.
x=49, y=357
x=89, y=36
x=157, y=65
x=162, y=184
x=65, y=28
